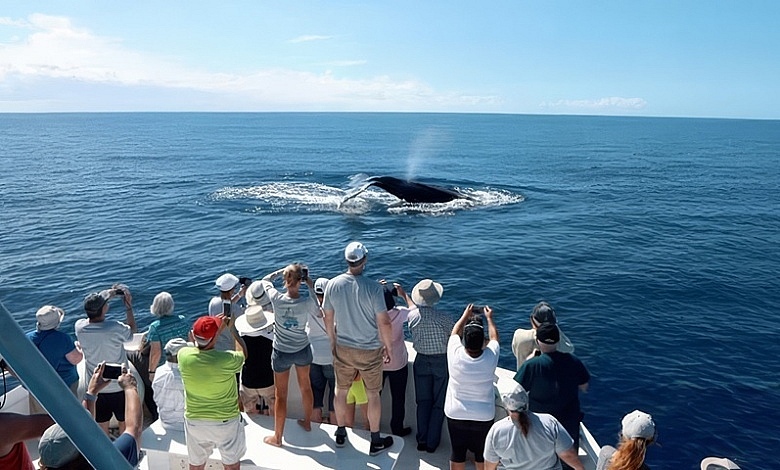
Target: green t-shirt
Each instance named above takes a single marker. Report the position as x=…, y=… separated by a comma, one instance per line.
x=210, y=388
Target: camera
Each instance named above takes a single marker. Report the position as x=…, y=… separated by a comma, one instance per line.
x=245, y=281
x=112, y=371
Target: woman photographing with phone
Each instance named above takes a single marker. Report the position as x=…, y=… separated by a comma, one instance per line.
x=291, y=344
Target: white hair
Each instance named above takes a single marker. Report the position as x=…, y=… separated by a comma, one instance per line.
x=162, y=306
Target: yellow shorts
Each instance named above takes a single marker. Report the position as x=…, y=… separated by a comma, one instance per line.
x=357, y=393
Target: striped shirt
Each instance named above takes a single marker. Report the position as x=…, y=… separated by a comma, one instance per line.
x=430, y=330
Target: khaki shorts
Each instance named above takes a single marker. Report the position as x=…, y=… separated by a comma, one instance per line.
x=203, y=435
x=369, y=362
x=250, y=397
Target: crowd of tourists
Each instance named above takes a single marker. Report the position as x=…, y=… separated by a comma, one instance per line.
x=343, y=336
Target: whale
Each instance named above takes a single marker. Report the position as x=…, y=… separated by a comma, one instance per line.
x=408, y=190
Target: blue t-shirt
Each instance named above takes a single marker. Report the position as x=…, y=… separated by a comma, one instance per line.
x=54, y=345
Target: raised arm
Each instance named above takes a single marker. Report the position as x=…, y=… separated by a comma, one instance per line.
x=401, y=292
x=231, y=323
x=129, y=315
x=134, y=419
x=461, y=323
x=492, y=330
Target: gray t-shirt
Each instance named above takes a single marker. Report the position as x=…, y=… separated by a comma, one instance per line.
x=290, y=318
x=536, y=451
x=356, y=302
x=103, y=341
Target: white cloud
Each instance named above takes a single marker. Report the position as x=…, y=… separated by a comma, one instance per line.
x=57, y=51
x=345, y=63
x=309, y=38
x=601, y=104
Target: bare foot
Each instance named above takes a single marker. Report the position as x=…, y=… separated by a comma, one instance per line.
x=305, y=424
x=271, y=440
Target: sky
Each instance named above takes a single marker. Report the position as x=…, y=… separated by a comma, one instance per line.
x=627, y=58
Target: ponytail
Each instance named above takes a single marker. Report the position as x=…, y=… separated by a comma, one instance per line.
x=630, y=454
x=521, y=420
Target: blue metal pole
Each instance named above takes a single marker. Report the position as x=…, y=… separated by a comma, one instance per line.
x=42, y=381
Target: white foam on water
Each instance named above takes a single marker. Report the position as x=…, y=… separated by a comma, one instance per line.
x=315, y=197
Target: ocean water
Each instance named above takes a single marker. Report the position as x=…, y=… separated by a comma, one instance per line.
x=656, y=240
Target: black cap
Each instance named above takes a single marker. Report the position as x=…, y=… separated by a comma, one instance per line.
x=548, y=333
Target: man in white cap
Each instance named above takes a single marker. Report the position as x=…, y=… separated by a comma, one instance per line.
x=103, y=340
x=528, y=441
x=57, y=347
x=430, y=329
x=169, y=388
x=230, y=303
x=358, y=326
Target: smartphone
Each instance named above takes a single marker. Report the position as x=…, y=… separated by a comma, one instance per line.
x=477, y=309
x=112, y=371
x=119, y=292
x=227, y=308
x=245, y=281
x=304, y=273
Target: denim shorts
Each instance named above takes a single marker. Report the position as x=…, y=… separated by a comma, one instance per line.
x=282, y=361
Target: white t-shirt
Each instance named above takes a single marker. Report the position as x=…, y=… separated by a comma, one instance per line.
x=103, y=341
x=536, y=451
x=470, y=393
x=320, y=342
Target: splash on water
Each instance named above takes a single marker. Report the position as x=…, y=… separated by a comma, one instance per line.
x=277, y=197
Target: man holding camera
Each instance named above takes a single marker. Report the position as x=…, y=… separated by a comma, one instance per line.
x=102, y=341
x=211, y=414
x=229, y=303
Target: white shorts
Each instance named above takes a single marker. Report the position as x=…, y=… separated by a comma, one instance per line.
x=203, y=435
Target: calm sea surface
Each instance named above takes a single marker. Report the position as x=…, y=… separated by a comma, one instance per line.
x=657, y=240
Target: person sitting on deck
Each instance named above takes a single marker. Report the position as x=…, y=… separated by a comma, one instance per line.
x=637, y=432
x=211, y=415
x=58, y=452
x=57, y=347
x=524, y=341
x=554, y=380
x=169, y=388
x=528, y=441
x=102, y=340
